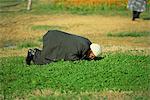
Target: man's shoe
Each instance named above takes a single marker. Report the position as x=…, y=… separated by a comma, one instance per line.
x=133, y=19
x=29, y=57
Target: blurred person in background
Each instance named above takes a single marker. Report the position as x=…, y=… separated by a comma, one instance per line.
x=137, y=7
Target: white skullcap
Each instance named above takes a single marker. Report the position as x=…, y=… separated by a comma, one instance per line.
x=96, y=49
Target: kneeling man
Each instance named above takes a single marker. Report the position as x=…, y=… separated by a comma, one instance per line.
x=58, y=45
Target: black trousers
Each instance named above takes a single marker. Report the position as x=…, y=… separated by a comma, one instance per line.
x=136, y=14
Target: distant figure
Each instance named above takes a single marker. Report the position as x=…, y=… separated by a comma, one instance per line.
x=137, y=7
x=58, y=45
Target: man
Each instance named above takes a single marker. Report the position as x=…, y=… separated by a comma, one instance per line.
x=58, y=45
x=137, y=7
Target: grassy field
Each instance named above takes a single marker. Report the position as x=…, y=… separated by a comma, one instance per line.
x=123, y=73
x=118, y=72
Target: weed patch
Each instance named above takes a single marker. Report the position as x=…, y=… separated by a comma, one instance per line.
x=27, y=44
x=46, y=27
x=129, y=34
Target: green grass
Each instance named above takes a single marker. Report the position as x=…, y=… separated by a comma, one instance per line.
x=101, y=9
x=11, y=5
x=129, y=34
x=27, y=44
x=21, y=44
x=81, y=10
x=8, y=3
x=46, y=27
x=116, y=72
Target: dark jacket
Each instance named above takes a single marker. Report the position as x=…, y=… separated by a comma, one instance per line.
x=59, y=45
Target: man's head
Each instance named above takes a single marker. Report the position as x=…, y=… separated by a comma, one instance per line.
x=95, y=51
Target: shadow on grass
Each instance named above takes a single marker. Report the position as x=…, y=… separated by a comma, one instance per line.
x=99, y=58
x=95, y=59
